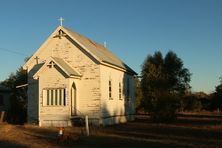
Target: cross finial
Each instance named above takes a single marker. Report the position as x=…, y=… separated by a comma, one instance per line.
x=105, y=44
x=61, y=20
x=37, y=59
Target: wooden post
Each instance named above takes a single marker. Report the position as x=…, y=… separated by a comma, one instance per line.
x=87, y=125
x=2, y=116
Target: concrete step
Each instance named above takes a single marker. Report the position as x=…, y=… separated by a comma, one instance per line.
x=77, y=121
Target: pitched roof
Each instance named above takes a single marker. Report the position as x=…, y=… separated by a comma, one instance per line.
x=99, y=51
x=65, y=67
x=68, y=70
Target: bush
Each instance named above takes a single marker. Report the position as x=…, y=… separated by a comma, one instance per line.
x=191, y=103
x=164, y=108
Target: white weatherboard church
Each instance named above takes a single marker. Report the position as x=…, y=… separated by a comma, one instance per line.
x=72, y=76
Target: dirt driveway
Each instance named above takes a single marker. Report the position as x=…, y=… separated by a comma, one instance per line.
x=188, y=131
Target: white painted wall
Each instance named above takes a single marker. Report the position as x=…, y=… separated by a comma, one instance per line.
x=88, y=87
x=51, y=78
x=117, y=108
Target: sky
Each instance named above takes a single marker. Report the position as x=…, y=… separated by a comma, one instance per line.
x=132, y=29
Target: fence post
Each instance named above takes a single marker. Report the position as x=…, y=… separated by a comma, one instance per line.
x=87, y=125
x=2, y=116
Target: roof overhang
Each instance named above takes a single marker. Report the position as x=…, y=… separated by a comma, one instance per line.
x=64, y=66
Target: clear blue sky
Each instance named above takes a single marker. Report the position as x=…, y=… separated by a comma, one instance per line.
x=132, y=29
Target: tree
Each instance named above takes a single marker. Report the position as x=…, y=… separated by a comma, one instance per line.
x=138, y=95
x=217, y=98
x=164, y=81
x=191, y=103
x=18, y=98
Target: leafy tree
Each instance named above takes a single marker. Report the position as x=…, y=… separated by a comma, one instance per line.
x=138, y=95
x=205, y=100
x=192, y=103
x=164, y=81
x=18, y=98
x=217, y=98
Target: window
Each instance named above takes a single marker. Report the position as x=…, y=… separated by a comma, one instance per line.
x=47, y=97
x=54, y=97
x=1, y=100
x=110, y=89
x=120, y=91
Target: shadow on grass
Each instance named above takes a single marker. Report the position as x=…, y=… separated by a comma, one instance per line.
x=185, y=132
x=4, y=143
x=111, y=141
x=49, y=136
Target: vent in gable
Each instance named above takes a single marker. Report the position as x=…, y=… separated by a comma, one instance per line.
x=51, y=64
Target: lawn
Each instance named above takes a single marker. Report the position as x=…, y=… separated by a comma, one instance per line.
x=190, y=130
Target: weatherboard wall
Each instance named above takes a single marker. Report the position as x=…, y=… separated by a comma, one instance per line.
x=88, y=91
x=118, y=108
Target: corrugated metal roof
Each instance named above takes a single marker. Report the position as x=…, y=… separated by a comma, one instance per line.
x=68, y=69
x=99, y=51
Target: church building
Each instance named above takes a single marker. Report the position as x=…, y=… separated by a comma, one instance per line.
x=71, y=76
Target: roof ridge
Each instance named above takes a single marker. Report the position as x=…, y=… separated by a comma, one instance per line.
x=99, y=51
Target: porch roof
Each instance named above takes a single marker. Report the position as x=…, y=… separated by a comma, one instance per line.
x=64, y=66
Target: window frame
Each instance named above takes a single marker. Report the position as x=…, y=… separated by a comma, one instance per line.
x=110, y=89
x=54, y=97
x=120, y=91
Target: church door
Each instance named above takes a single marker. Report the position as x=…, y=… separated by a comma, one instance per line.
x=73, y=100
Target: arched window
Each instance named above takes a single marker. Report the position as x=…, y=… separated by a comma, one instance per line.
x=110, y=89
x=120, y=91
x=73, y=100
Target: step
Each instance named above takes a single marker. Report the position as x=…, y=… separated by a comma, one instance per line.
x=77, y=121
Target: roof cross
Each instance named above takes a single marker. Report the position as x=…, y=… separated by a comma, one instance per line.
x=61, y=20
x=37, y=59
x=105, y=44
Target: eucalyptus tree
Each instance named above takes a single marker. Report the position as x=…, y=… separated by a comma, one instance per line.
x=164, y=81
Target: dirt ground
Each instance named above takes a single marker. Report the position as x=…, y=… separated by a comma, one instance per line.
x=189, y=130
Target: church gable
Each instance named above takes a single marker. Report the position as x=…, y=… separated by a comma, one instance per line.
x=62, y=46
x=60, y=65
x=51, y=76
x=56, y=47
